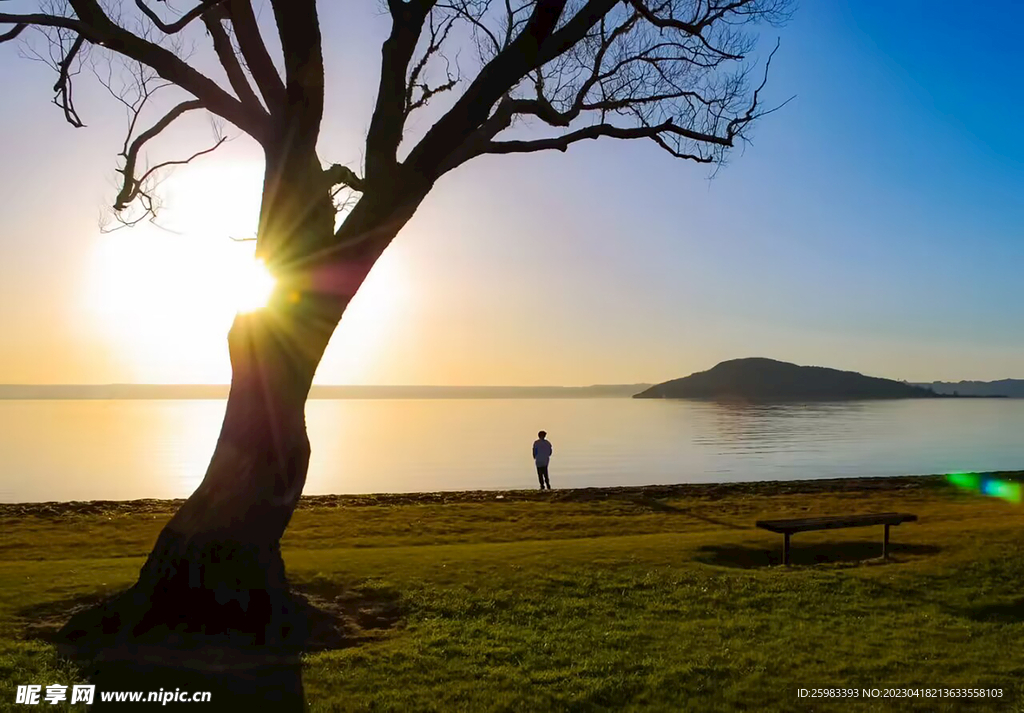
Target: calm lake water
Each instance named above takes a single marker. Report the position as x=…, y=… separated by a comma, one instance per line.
x=120, y=450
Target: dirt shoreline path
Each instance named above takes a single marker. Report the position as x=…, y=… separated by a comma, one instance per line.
x=708, y=491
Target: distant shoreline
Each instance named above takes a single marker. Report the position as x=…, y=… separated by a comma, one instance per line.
x=814, y=400
x=54, y=392
x=132, y=392
x=710, y=491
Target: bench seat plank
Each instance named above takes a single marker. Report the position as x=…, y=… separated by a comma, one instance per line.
x=831, y=523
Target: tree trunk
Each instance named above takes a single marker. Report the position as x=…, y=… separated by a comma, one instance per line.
x=217, y=564
x=216, y=567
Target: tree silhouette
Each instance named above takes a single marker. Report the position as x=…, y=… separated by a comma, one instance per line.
x=514, y=76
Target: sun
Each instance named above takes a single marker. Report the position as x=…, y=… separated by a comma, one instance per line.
x=249, y=285
x=165, y=303
x=161, y=301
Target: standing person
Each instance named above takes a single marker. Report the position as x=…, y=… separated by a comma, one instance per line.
x=541, y=456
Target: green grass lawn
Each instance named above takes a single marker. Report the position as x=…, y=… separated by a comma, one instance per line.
x=666, y=599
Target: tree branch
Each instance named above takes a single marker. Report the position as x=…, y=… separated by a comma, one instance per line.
x=63, y=98
x=437, y=39
x=713, y=14
x=228, y=60
x=299, y=29
x=178, y=25
x=388, y=120
x=338, y=175
x=39, y=20
x=736, y=126
x=461, y=10
x=93, y=24
x=622, y=69
x=638, y=61
x=98, y=28
x=538, y=43
x=12, y=33
x=144, y=196
x=182, y=162
x=256, y=56
x=597, y=131
x=131, y=186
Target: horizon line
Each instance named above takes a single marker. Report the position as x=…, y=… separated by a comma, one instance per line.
x=122, y=384
x=332, y=386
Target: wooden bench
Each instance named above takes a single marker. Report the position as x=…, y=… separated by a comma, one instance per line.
x=788, y=527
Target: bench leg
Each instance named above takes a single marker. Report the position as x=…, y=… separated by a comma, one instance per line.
x=885, y=544
x=785, y=550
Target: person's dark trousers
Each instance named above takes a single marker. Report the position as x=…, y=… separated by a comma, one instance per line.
x=542, y=476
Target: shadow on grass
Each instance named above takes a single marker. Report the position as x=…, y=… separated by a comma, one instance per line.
x=366, y=611
x=1010, y=612
x=744, y=557
x=237, y=676
x=336, y=617
x=655, y=505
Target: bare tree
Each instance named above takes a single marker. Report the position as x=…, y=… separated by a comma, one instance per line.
x=513, y=76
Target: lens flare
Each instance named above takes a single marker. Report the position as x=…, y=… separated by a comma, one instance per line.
x=967, y=481
x=253, y=285
x=984, y=484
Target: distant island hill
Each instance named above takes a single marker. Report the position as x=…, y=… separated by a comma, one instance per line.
x=760, y=379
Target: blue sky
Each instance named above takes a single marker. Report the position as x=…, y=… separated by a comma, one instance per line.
x=875, y=224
